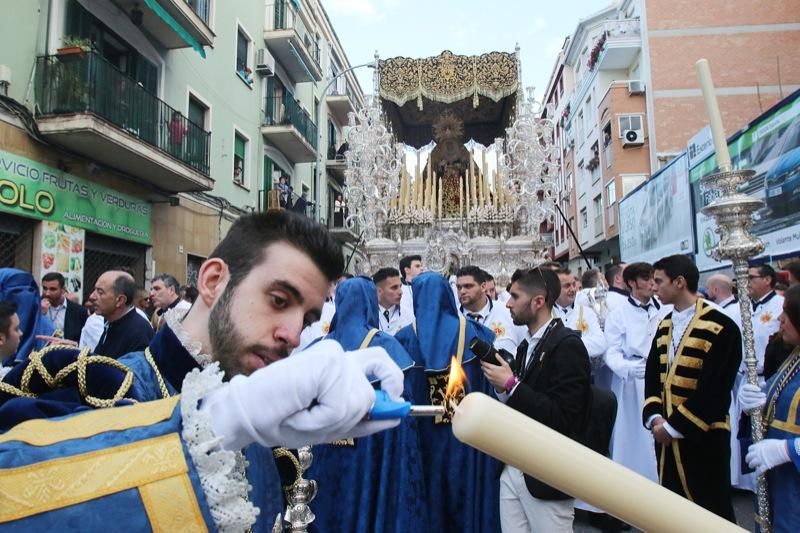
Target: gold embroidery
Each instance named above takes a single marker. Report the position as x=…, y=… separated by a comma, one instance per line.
x=652, y=399
x=694, y=419
x=766, y=317
x=677, y=400
x=690, y=362
x=679, y=466
x=498, y=328
x=84, y=425
x=722, y=425
x=171, y=505
x=663, y=376
x=663, y=340
x=58, y=483
x=368, y=338
x=707, y=325
x=162, y=386
x=326, y=328
x=700, y=344
x=686, y=383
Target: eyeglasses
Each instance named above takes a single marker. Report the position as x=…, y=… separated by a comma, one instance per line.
x=754, y=276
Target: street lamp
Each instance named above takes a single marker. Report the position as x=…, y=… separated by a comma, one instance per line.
x=331, y=81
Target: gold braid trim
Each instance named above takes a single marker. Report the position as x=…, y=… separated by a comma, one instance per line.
x=161, y=384
x=284, y=452
x=36, y=365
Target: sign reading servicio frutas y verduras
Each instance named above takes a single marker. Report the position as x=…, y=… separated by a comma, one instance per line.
x=32, y=189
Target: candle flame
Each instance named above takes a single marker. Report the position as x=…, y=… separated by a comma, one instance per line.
x=455, y=381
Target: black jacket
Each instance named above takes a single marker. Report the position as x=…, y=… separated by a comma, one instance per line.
x=74, y=319
x=556, y=391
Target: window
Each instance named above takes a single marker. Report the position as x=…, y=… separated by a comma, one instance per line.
x=243, y=67
x=239, y=158
x=611, y=193
x=198, y=112
x=629, y=122
x=598, y=215
x=584, y=218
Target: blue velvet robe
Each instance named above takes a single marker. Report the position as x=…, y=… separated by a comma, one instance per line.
x=377, y=484
x=784, y=480
x=20, y=287
x=173, y=362
x=461, y=482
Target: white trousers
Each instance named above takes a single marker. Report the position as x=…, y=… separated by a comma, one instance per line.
x=522, y=513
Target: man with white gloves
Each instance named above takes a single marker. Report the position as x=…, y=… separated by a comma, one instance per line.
x=210, y=384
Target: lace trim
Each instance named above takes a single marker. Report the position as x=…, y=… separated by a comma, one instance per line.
x=222, y=472
x=174, y=318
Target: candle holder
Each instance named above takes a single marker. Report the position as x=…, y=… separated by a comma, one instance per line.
x=733, y=213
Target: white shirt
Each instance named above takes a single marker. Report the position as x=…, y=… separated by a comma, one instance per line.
x=765, y=322
x=629, y=334
x=497, y=318
x=407, y=302
x=57, y=313
x=584, y=320
x=319, y=328
x=533, y=340
x=92, y=331
x=730, y=306
x=397, y=319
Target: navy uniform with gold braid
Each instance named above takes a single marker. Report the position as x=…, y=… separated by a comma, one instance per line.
x=66, y=381
x=693, y=395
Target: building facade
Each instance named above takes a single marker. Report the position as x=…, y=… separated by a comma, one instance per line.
x=133, y=134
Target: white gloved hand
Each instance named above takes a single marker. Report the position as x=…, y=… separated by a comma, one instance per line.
x=636, y=368
x=318, y=395
x=751, y=397
x=767, y=454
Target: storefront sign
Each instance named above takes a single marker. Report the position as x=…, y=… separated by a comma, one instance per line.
x=32, y=189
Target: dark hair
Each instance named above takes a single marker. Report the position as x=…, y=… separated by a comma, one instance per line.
x=245, y=244
x=589, y=278
x=7, y=310
x=125, y=285
x=169, y=281
x=191, y=293
x=794, y=269
x=487, y=277
x=791, y=305
x=550, y=265
x=679, y=265
x=612, y=272
x=635, y=271
x=539, y=281
x=406, y=263
x=766, y=271
x=385, y=273
x=476, y=273
x=54, y=276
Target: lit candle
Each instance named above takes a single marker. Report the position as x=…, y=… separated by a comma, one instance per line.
x=461, y=197
x=485, y=424
x=466, y=204
x=479, y=186
x=485, y=184
x=714, y=117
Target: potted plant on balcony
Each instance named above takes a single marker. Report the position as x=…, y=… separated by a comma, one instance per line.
x=595, y=53
x=75, y=45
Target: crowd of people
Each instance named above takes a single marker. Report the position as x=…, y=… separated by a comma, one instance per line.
x=639, y=363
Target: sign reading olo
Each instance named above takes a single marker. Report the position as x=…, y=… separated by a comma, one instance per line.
x=32, y=189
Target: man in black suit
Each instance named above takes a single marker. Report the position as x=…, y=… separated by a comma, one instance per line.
x=551, y=384
x=67, y=316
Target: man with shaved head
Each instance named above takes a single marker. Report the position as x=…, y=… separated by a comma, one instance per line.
x=719, y=288
x=125, y=331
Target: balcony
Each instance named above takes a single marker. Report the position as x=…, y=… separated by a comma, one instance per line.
x=170, y=22
x=341, y=100
x=622, y=46
x=92, y=108
x=290, y=128
x=287, y=37
x=339, y=229
x=335, y=163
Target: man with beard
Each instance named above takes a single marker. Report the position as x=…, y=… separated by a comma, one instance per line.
x=175, y=463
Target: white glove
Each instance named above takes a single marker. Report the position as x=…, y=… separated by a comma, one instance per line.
x=318, y=395
x=751, y=397
x=637, y=368
x=767, y=454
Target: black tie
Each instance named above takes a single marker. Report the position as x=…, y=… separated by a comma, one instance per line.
x=636, y=304
x=475, y=316
x=522, y=352
x=386, y=314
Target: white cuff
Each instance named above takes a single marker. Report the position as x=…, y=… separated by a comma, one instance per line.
x=674, y=433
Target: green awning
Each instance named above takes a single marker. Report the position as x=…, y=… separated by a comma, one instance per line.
x=296, y=4
x=172, y=23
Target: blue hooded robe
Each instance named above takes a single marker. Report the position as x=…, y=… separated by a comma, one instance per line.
x=461, y=482
x=373, y=483
x=20, y=287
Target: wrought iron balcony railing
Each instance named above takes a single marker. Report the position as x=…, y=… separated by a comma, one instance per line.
x=285, y=110
x=87, y=83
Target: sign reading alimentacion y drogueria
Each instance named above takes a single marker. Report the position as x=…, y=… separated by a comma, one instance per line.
x=31, y=189
x=770, y=146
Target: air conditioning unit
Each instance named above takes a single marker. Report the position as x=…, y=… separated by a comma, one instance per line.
x=635, y=87
x=632, y=138
x=265, y=63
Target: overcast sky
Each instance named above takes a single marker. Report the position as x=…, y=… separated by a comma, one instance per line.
x=423, y=28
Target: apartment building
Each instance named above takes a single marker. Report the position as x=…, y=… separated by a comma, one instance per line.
x=632, y=101
x=134, y=133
